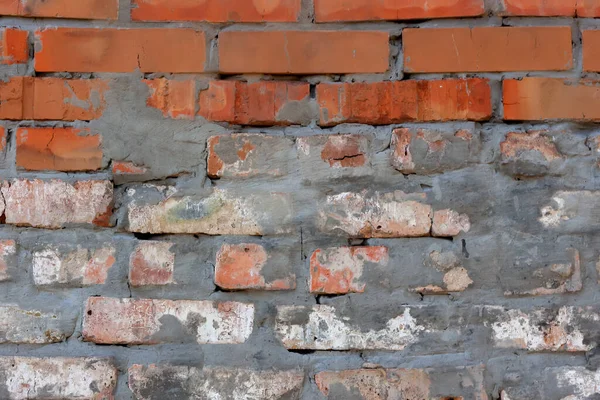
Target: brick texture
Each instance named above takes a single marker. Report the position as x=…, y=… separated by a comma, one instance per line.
x=79, y=9
x=14, y=46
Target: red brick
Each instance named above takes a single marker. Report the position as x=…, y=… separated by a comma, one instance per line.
x=80, y=9
x=139, y=321
x=2, y=139
x=241, y=267
x=216, y=10
x=52, y=98
x=485, y=49
x=56, y=204
x=588, y=8
x=550, y=8
x=537, y=99
x=447, y=223
x=303, y=52
x=339, y=270
x=385, y=103
x=14, y=46
x=127, y=168
x=58, y=378
x=260, y=103
x=176, y=99
x=58, y=149
x=591, y=54
x=120, y=50
x=370, y=10
x=151, y=264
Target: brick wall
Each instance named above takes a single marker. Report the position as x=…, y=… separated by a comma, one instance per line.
x=299, y=199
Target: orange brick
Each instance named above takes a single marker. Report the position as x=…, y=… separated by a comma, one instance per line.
x=371, y=10
x=80, y=9
x=588, y=8
x=535, y=99
x=303, y=52
x=2, y=139
x=591, y=52
x=14, y=48
x=487, y=49
x=52, y=98
x=120, y=50
x=259, y=103
x=176, y=99
x=385, y=103
x=539, y=8
x=127, y=168
x=58, y=149
x=216, y=10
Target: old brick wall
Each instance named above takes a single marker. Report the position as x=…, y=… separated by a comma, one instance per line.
x=299, y=199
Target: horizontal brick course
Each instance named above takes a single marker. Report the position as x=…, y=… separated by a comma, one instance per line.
x=78, y=9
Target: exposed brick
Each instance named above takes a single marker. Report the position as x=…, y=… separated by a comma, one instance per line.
x=14, y=46
x=8, y=251
x=339, y=270
x=216, y=10
x=447, y=223
x=53, y=266
x=529, y=154
x=427, y=151
x=248, y=155
x=80, y=9
x=58, y=378
x=158, y=382
x=335, y=151
x=303, y=52
x=449, y=383
x=251, y=266
x=259, y=103
x=152, y=263
x=384, y=103
x=591, y=55
x=537, y=99
x=52, y=98
x=56, y=204
x=141, y=321
x=58, y=149
x=364, y=215
x=2, y=140
x=176, y=50
x=127, y=168
x=176, y=99
x=485, y=48
x=220, y=213
x=367, y=10
x=321, y=327
x=28, y=326
x=565, y=329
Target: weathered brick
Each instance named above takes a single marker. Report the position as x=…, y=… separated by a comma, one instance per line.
x=320, y=327
x=248, y=155
x=58, y=378
x=455, y=279
x=426, y=151
x=58, y=149
x=537, y=99
x=484, y=49
x=529, y=154
x=142, y=321
x=2, y=141
x=339, y=270
x=8, y=251
x=364, y=215
x=28, y=326
x=444, y=383
x=216, y=11
x=222, y=212
x=152, y=263
x=567, y=329
x=539, y=8
x=571, y=211
x=14, y=46
x=55, y=266
x=447, y=223
x=52, y=98
x=251, y=266
x=367, y=10
x=79, y=9
x=127, y=168
x=303, y=52
x=259, y=103
x=176, y=50
x=335, y=151
x=176, y=99
x=384, y=103
x=56, y=204
x=158, y=382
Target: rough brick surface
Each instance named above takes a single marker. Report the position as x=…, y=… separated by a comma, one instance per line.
x=27, y=326
x=298, y=52
x=176, y=99
x=14, y=46
x=80, y=9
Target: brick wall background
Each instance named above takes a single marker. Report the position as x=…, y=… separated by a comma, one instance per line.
x=299, y=199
